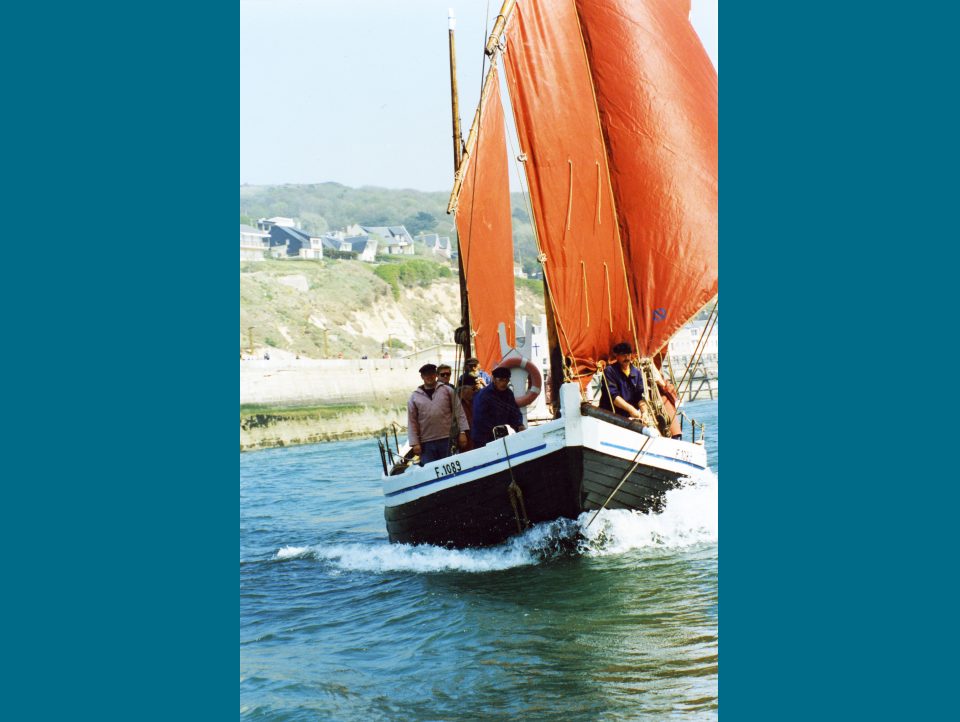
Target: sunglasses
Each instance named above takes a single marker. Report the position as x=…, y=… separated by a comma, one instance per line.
x=444, y=373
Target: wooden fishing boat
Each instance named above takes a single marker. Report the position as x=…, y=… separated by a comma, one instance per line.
x=614, y=103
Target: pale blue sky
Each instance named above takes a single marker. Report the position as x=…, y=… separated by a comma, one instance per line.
x=358, y=91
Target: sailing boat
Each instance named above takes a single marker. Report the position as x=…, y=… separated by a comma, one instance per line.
x=615, y=108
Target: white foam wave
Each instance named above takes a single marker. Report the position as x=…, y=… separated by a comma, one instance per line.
x=403, y=557
x=689, y=517
x=292, y=552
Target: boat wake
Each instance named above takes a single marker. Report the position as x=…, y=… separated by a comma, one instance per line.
x=689, y=518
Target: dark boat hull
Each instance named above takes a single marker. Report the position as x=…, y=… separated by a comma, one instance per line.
x=480, y=512
x=562, y=484
x=563, y=467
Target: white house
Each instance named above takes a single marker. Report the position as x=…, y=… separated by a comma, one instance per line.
x=253, y=243
x=438, y=245
x=396, y=239
x=314, y=251
x=364, y=247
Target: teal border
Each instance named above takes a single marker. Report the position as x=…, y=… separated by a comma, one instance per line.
x=120, y=483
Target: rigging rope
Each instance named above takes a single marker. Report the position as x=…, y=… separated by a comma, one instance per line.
x=606, y=275
x=515, y=494
x=698, y=350
x=586, y=297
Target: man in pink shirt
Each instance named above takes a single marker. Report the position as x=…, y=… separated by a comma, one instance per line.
x=430, y=413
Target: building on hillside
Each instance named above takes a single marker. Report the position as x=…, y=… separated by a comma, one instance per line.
x=253, y=243
x=518, y=271
x=336, y=242
x=364, y=246
x=314, y=250
x=265, y=224
x=396, y=239
x=292, y=239
x=437, y=244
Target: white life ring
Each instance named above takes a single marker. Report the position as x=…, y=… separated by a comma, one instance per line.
x=534, y=379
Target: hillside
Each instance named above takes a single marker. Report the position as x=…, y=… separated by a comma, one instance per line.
x=321, y=207
x=320, y=309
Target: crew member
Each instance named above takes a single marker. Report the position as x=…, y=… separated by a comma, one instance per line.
x=495, y=405
x=430, y=414
x=622, y=385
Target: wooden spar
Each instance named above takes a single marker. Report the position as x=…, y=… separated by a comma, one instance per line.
x=457, y=149
x=498, y=29
x=462, y=336
x=498, y=26
x=471, y=142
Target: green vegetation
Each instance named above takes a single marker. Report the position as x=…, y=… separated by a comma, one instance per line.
x=320, y=309
x=295, y=413
x=533, y=285
x=410, y=273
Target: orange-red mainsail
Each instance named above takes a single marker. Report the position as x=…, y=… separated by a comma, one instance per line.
x=615, y=104
x=656, y=92
x=566, y=169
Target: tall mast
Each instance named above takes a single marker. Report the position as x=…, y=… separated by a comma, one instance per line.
x=457, y=146
x=462, y=335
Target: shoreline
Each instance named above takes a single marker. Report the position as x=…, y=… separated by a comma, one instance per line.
x=306, y=401
x=263, y=427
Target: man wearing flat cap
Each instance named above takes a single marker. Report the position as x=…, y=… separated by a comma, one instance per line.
x=622, y=385
x=494, y=405
x=430, y=414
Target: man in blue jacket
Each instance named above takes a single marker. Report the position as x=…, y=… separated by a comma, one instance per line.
x=622, y=384
x=492, y=406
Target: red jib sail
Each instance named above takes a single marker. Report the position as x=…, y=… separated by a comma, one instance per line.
x=483, y=228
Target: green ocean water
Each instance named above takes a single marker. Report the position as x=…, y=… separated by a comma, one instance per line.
x=615, y=622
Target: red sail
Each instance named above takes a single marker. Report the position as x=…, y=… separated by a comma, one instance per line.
x=560, y=134
x=656, y=91
x=484, y=230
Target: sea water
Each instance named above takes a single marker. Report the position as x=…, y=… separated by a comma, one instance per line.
x=612, y=621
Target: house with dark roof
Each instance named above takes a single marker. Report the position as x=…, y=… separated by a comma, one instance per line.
x=289, y=239
x=335, y=242
x=437, y=244
x=253, y=243
x=364, y=246
x=395, y=239
x=313, y=250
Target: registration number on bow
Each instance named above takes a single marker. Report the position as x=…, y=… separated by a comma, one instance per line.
x=446, y=469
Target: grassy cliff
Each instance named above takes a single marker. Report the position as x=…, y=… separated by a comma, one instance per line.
x=324, y=308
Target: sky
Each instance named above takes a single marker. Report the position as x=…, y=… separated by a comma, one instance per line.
x=358, y=91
